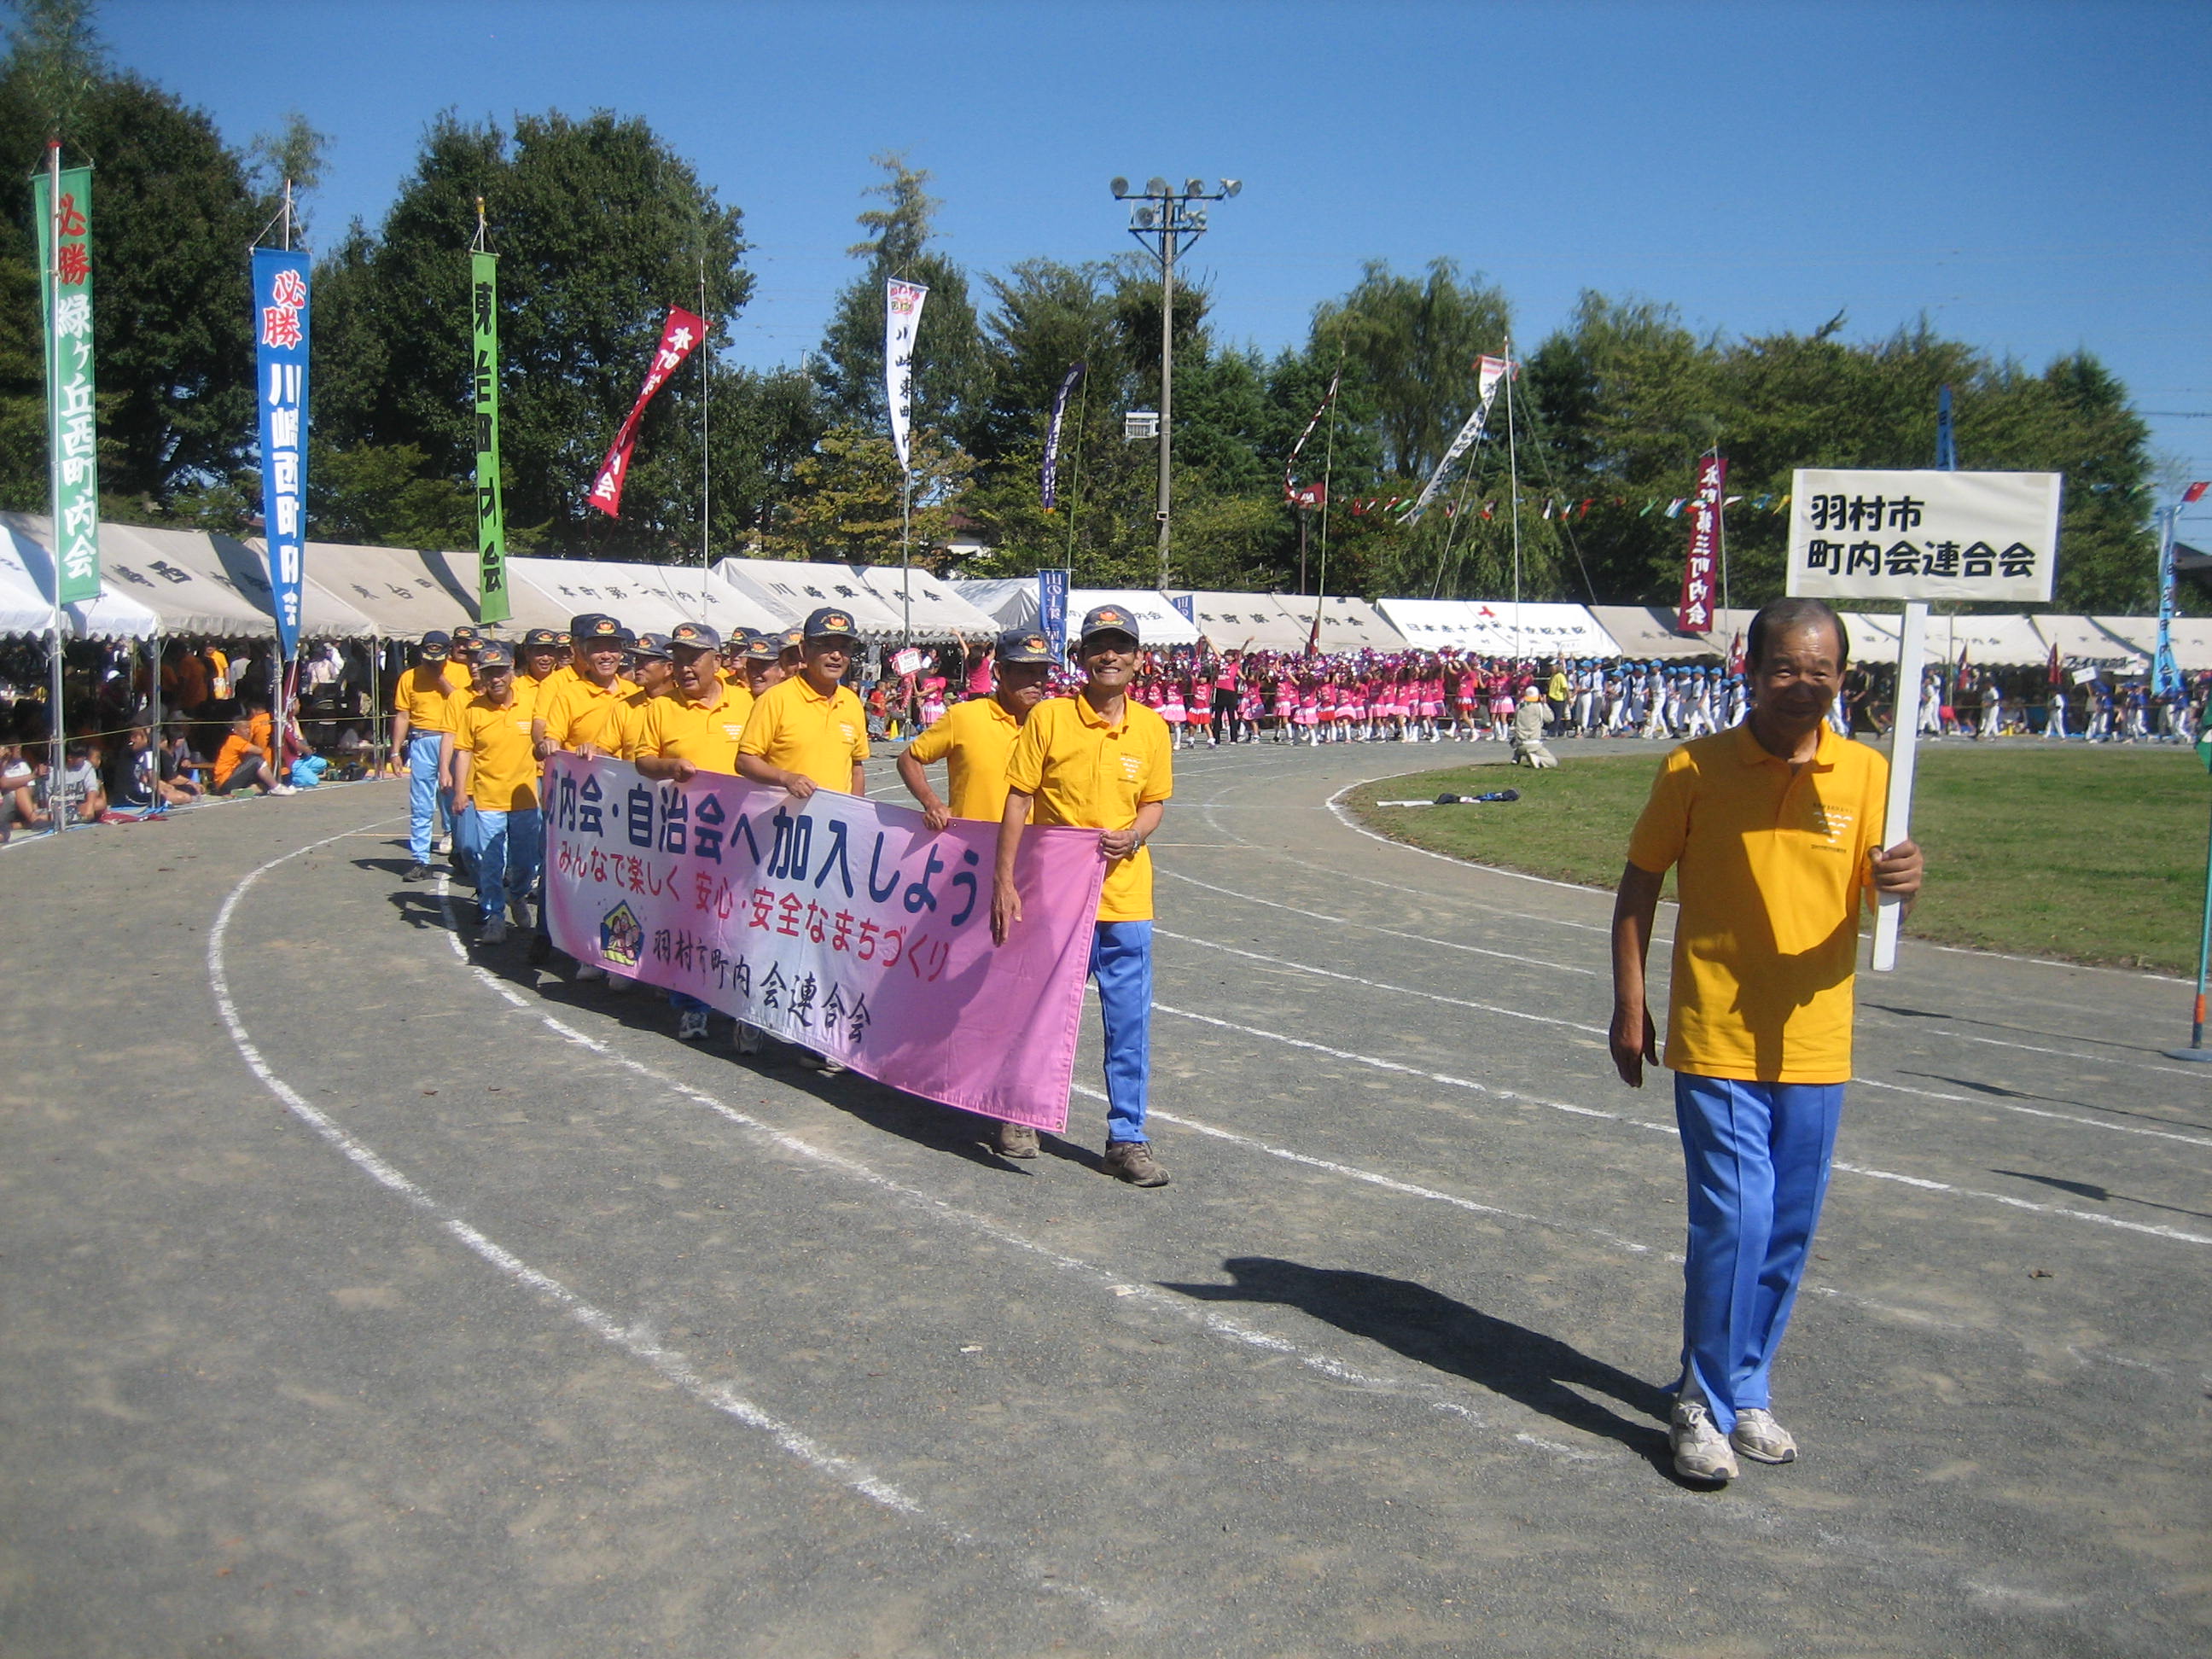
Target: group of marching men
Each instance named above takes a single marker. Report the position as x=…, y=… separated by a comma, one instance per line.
x=476, y=720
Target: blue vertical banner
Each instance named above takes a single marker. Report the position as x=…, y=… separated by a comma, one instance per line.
x=280, y=333
x=1188, y=604
x=1051, y=610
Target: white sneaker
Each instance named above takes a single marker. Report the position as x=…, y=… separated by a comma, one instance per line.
x=493, y=932
x=282, y=789
x=619, y=985
x=1758, y=1435
x=1701, y=1450
x=747, y=1038
x=441, y=845
x=691, y=1025
x=821, y=1063
x=588, y=971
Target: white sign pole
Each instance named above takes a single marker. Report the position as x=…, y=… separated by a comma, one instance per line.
x=1904, y=751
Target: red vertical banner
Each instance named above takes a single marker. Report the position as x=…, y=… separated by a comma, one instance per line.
x=1700, y=571
x=680, y=336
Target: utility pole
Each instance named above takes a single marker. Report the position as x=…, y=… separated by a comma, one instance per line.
x=1165, y=220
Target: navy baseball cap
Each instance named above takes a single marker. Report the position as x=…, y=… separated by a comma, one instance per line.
x=496, y=654
x=580, y=626
x=466, y=635
x=650, y=645
x=539, y=639
x=830, y=622
x=1024, y=644
x=696, y=636
x=763, y=648
x=436, y=645
x=1110, y=619
x=600, y=632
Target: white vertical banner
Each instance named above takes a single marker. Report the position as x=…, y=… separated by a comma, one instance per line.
x=1489, y=371
x=901, y=316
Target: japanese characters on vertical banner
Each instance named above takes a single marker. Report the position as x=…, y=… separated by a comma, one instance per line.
x=1051, y=610
x=902, y=318
x=1925, y=535
x=836, y=923
x=280, y=333
x=492, y=605
x=680, y=336
x=1701, y=587
x=65, y=283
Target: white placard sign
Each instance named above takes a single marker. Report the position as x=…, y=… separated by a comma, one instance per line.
x=1924, y=535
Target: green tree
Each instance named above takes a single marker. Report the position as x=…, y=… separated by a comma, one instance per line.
x=600, y=230
x=847, y=510
x=951, y=374
x=369, y=493
x=1413, y=346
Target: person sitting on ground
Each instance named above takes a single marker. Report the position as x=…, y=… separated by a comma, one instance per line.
x=240, y=763
x=83, y=797
x=139, y=775
x=19, y=806
x=1529, y=720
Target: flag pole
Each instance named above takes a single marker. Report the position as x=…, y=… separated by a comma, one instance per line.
x=56, y=790
x=2196, y=1050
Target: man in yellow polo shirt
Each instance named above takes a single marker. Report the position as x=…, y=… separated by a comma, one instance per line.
x=974, y=739
x=809, y=733
x=694, y=729
x=496, y=782
x=1775, y=828
x=1100, y=760
x=424, y=706
x=581, y=708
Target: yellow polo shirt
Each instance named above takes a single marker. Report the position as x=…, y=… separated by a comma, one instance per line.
x=502, y=769
x=1771, y=867
x=426, y=697
x=680, y=729
x=794, y=726
x=463, y=679
x=1083, y=771
x=579, y=713
x=975, y=740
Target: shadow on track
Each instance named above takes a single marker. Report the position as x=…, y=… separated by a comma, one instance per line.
x=1540, y=1371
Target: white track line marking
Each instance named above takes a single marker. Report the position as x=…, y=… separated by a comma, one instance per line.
x=2030, y=1111
x=1374, y=927
x=2062, y=1053
x=1451, y=1081
x=1377, y=985
x=665, y=1362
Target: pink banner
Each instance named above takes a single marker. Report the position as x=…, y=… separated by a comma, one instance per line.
x=679, y=335
x=1700, y=581
x=835, y=923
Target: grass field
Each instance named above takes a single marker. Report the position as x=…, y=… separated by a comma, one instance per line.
x=2092, y=855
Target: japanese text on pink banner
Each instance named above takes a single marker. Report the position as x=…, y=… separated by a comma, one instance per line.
x=835, y=923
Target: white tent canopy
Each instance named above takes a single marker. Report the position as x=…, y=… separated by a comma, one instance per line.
x=1500, y=628
x=939, y=613
x=1011, y=602
x=648, y=597
x=27, y=577
x=2001, y=640
x=1875, y=637
x=2082, y=644
x=403, y=591
x=1236, y=622
x=1647, y=633
x=1346, y=624
x=791, y=590
x=197, y=583
x=2191, y=638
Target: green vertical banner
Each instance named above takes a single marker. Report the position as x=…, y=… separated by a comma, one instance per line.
x=73, y=442
x=491, y=507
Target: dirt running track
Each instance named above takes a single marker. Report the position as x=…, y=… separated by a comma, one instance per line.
x=363, y=1298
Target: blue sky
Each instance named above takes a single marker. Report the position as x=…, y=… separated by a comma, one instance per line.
x=2033, y=177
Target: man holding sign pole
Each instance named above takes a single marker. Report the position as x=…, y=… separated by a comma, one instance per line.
x=1775, y=829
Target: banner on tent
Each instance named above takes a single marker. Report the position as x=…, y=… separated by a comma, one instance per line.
x=65, y=286
x=680, y=336
x=903, y=304
x=836, y=923
x=281, y=336
x=1925, y=535
x=492, y=601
